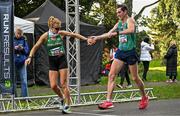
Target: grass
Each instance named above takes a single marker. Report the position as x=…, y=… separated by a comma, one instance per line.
x=169, y=91
x=156, y=63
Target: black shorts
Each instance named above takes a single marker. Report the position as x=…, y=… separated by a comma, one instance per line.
x=130, y=57
x=57, y=62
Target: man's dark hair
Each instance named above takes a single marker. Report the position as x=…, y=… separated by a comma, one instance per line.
x=123, y=7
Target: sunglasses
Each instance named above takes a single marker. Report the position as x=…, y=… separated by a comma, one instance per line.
x=57, y=29
x=118, y=12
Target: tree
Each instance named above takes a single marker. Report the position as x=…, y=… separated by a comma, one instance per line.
x=164, y=24
x=24, y=7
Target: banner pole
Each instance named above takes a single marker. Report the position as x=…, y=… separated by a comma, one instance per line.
x=12, y=46
x=7, y=77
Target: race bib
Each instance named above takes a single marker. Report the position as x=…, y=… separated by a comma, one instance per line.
x=123, y=38
x=57, y=51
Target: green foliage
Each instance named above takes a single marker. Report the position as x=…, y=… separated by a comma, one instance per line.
x=108, y=10
x=129, y=3
x=24, y=7
x=139, y=38
x=163, y=25
x=156, y=63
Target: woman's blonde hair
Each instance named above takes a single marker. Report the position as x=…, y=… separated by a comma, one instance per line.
x=173, y=42
x=52, y=20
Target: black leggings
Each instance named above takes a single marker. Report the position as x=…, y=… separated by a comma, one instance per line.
x=146, y=68
x=124, y=74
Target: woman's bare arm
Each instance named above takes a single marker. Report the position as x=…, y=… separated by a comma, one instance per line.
x=41, y=40
x=75, y=35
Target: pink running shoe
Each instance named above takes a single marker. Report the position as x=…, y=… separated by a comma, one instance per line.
x=144, y=102
x=106, y=105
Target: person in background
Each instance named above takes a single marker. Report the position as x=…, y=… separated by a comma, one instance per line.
x=113, y=52
x=53, y=39
x=124, y=74
x=171, y=63
x=146, y=57
x=21, y=51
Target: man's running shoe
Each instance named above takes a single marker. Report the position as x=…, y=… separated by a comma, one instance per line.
x=66, y=110
x=144, y=102
x=106, y=105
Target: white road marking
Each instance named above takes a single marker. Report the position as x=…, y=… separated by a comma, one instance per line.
x=109, y=110
x=93, y=114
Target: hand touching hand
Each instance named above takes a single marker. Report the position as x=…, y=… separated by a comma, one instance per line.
x=91, y=40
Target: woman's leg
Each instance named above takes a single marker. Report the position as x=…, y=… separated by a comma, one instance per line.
x=53, y=75
x=64, y=85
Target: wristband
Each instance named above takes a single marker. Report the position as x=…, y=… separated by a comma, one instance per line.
x=29, y=56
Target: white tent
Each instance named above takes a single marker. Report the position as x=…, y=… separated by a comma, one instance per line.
x=26, y=26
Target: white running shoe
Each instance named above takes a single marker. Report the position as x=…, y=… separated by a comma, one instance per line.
x=66, y=110
x=129, y=86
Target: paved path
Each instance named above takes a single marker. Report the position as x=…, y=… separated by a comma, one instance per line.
x=156, y=108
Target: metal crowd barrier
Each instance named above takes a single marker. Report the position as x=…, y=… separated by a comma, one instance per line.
x=10, y=104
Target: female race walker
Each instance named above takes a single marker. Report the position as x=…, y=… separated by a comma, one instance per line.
x=53, y=39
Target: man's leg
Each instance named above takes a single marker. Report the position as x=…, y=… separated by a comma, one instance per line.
x=134, y=72
x=115, y=67
x=122, y=77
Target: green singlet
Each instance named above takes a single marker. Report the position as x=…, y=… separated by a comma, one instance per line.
x=126, y=41
x=54, y=45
